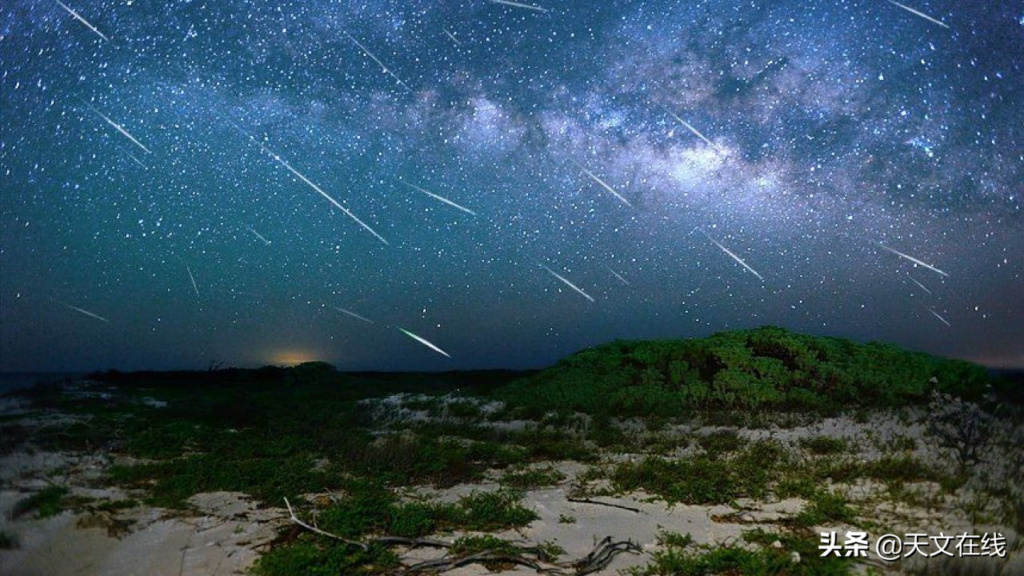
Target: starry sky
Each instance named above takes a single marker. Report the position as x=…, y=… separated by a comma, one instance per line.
x=375, y=183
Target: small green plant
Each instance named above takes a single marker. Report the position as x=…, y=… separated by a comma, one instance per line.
x=486, y=511
x=566, y=519
x=826, y=507
x=721, y=442
x=8, y=541
x=824, y=445
x=705, y=479
x=794, y=556
x=675, y=540
x=464, y=409
x=535, y=478
x=46, y=503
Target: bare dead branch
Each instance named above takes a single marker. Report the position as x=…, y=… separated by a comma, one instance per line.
x=316, y=530
x=534, y=557
x=599, y=503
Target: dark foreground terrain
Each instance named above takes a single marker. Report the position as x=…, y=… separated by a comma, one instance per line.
x=725, y=455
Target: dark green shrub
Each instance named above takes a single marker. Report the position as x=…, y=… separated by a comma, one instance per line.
x=46, y=503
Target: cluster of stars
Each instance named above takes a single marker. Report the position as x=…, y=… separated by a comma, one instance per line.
x=502, y=182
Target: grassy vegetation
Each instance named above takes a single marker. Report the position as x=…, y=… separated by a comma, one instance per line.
x=705, y=479
x=745, y=369
x=826, y=508
x=274, y=433
x=535, y=478
x=681, y=558
x=45, y=503
x=371, y=509
x=824, y=445
x=8, y=541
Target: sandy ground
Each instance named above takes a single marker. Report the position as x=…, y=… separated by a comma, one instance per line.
x=224, y=533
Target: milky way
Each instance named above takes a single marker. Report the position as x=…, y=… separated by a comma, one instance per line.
x=460, y=170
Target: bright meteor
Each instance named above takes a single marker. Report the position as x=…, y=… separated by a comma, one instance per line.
x=117, y=127
x=424, y=341
x=914, y=260
x=439, y=198
x=695, y=132
x=733, y=256
x=310, y=183
x=353, y=314
x=377, y=60
x=519, y=5
x=921, y=14
x=567, y=283
x=78, y=17
x=602, y=183
x=82, y=310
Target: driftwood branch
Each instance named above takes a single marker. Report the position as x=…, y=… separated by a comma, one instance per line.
x=599, y=503
x=316, y=530
x=534, y=557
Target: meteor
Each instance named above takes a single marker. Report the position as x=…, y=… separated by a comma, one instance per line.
x=617, y=275
x=424, y=341
x=377, y=60
x=137, y=161
x=567, y=282
x=319, y=190
x=452, y=36
x=436, y=197
x=83, y=311
x=258, y=235
x=694, y=130
x=82, y=20
x=921, y=14
x=353, y=314
x=193, y=279
x=117, y=126
x=914, y=280
x=936, y=314
x=519, y=5
x=602, y=183
x=733, y=256
x=914, y=260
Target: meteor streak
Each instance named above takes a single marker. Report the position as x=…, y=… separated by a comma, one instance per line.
x=617, y=275
x=258, y=235
x=519, y=5
x=936, y=314
x=919, y=284
x=82, y=310
x=82, y=20
x=733, y=256
x=353, y=314
x=137, y=161
x=193, y=279
x=424, y=341
x=436, y=197
x=567, y=283
x=452, y=36
x=921, y=14
x=602, y=183
x=319, y=190
x=914, y=260
x=377, y=60
x=116, y=126
x=694, y=130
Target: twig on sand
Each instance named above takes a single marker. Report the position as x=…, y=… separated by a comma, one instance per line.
x=316, y=530
x=599, y=503
x=534, y=557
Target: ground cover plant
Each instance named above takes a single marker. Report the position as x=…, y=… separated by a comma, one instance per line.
x=349, y=451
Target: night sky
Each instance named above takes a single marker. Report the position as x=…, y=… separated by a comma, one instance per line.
x=272, y=182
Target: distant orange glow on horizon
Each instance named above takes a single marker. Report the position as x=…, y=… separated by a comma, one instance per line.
x=292, y=357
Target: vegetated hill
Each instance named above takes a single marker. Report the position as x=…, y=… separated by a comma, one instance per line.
x=766, y=367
